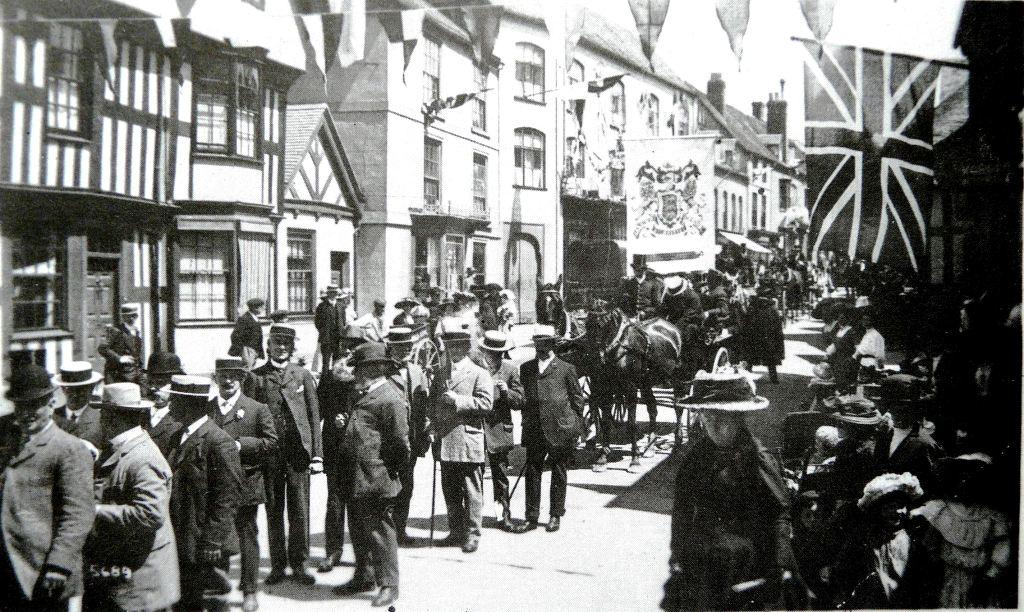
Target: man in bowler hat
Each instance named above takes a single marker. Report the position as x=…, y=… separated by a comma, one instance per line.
x=162, y=427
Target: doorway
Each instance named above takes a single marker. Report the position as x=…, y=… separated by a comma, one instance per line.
x=100, y=304
x=523, y=267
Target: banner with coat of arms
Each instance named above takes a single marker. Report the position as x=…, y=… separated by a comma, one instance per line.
x=670, y=206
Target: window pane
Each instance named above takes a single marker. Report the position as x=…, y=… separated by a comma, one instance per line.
x=300, y=271
x=530, y=72
x=212, y=121
x=203, y=275
x=38, y=282
x=64, y=77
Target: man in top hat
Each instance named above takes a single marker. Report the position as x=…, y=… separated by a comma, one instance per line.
x=411, y=381
x=337, y=393
x=123, y=340
x=162, y=427
x=46, y=508
x=372, y=323
x=492, y=355
x=461, y=397
x=78, y=417
x=552, y=421
x=330, y=318
x=375, y=449
x=290, y=392
x=905, y=448
x=207, y=487
x=248, y=334
x=251, y=425
x=405, y=318
x=131, y=557
x=641, y=293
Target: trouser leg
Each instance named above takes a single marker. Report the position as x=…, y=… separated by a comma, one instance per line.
x=361, y=544
x=451, y=487
x=249, y=546
x=473, y=486
x=401, y=513
x=275, y=486
x=379, y=531
x=773, y=373
x=327, y=355
x=534, y=471
x=499, y=478
x=334, y=517
x=559, y=461
x=298, y=517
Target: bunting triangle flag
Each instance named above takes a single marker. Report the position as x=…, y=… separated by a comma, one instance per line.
x=313, y=25
x=185, y=6
x=405, y=27
x=483, y=23
x=734, y=15
x=108, y=27
x=352, y=45
x=649, y=16
x=818, y=14
x=602, y=84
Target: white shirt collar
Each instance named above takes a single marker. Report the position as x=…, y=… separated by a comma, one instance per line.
x=375, y=384
x=280, y=365
x=77, y=413
x=227, y=404
x=191, y=429
x=158, y=415
x=542, y=364
x=125, y=436
x=41, y=431
x=461, y=364
x=898, y=436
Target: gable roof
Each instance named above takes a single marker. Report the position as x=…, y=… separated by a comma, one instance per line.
x=305, y=122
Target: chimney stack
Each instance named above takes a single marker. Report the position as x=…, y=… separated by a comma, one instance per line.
x=716, y=91
x=757, y=110
x=777, y=121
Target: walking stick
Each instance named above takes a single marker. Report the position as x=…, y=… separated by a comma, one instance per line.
x=513, y=491
x=433, y=502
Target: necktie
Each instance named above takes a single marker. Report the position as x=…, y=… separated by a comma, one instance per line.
x=73, y=418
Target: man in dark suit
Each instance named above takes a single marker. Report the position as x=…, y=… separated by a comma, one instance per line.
x=131, y=560
x=641, y=293
x=78, y=417
x=46, y=501
x=552, y=421
x=248, y=333
x=905, y=448
x=411, y=381
x=290, y=393
x=206, y=489
x=163, y=428
x=330, y=319
x=508, y=396
x=375, y=449
x=123, y=340
x=251, y=425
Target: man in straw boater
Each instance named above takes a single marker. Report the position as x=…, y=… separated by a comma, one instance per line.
x=730, y=543
x=461, y=397
x=412, y=383
x=552, y=422
x=123, y=340
x=205, y=492
x=46, y=500
x=78, y=417
x=131, y=559
x=251, y=425
x=375, y=450
x=290, y=392
x=492, y=355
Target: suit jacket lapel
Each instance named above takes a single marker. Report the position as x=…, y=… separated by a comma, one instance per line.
x=191, y=442
x=30, y=446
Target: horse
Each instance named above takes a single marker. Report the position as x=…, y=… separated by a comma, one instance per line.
x=551, y=310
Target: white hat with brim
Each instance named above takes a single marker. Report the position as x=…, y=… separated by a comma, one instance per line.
x=125, y=397
x=77, y=373
x=750, y=405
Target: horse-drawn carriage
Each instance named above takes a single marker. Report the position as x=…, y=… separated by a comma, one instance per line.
x=425, y=352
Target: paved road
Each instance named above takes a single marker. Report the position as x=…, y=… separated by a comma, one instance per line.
x=611, y=553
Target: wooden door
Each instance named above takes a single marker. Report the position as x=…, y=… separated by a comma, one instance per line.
x=100, y=302
x=522, y=277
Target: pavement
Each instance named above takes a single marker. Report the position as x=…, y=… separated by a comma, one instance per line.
x=610, y=554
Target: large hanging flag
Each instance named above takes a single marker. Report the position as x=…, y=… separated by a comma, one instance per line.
x=734, y=15
x=406, y=27
x=869, y=151
x=437, y=105
x=650, y=18
x=818, y=14
x=483, y=23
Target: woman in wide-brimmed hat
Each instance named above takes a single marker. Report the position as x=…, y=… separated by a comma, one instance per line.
x=730, y=520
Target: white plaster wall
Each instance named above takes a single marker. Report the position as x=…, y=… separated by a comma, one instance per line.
x=227, y=182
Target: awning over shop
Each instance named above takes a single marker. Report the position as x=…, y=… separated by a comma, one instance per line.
x=743, y=241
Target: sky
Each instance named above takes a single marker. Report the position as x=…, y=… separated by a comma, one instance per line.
x=694, y=45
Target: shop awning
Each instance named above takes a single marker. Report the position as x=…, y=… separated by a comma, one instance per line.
x=743, y=241
x=667, y=264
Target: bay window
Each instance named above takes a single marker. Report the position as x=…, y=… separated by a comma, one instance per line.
x=67, y=88
x=204, y=275
x=227, y=108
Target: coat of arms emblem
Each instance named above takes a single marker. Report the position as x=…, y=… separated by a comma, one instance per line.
x=669, y=203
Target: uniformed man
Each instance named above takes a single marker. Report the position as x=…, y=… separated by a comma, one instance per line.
x=641, y=294
x=78, y=417
x=411, y=381
x=508, y=396
x=290, y=392
x=460, y=400
x=123, y=340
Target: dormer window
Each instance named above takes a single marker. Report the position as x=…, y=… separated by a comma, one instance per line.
x=227, y=113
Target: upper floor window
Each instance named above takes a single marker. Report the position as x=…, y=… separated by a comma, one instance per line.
x=66, y=87
x=753, y=210
x=228, y=109
x=529, y=158
x=575, y=153
x=431, y=70
x=431, y=174
x=682, y=117
x=479, y=184
x=618, y=104
x=575, y=73
x=652, y=114
x=530, y=72
x=480, y=101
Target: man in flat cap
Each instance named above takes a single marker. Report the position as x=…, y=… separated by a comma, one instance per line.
x=290, y=392
x=248, y=334
x=123, y=340
x=461, y=398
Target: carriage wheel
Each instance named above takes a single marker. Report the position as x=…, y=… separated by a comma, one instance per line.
x=426, y=355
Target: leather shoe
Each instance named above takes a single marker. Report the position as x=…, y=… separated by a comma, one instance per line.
x=506, y=524
x=529, y=525
x=356, y=585
x=387, y=596
x=250, y=603
x=332, y=561
x=275, y=576
x=303, y=577
x=451, y=540
x=553, y=524
x=471, y=545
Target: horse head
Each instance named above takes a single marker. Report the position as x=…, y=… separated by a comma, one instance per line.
x=550, y=306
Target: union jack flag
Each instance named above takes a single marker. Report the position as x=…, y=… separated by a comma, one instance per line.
x=869, y=152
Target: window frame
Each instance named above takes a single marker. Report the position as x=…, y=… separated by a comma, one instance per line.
x=436, y=144
x=434, y=80
x=222, y=79
x=480, y=77
x=576, y=67
x=536, y=94
x=617, y=92
x=309, y=238
x=56, y=281
x=653, y=112
x=84, y=66
x=230, y=272
x=519, y=158
x=572, y=169
x=480, y=207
